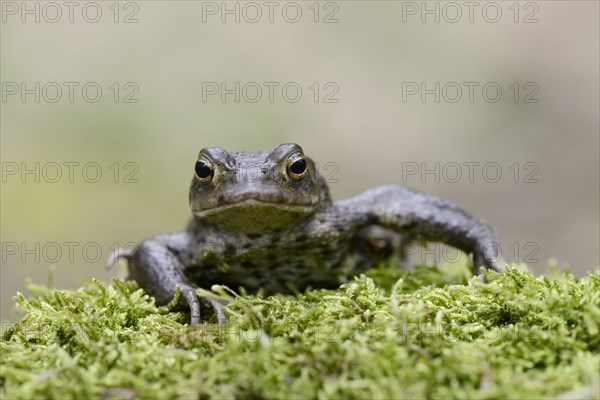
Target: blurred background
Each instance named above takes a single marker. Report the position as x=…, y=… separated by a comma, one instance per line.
x=105, y=106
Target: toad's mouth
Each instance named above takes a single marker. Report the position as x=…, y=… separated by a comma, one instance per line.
x=260, y=206
x=252, y=215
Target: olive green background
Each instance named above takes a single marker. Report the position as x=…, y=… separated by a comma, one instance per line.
x=360, y=141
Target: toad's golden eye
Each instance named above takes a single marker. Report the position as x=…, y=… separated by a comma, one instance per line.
x=296, y=167
x=204, y=171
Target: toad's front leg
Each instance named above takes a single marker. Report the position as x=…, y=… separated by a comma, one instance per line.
x=155, y=267
x=422, y=216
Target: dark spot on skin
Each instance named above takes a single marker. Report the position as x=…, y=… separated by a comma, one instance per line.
x=302, y=237
x=173, y=249
x=221, y=199
x=230, y=248
x=247, y=265
x=254, y=235
x=372, y=219
x=339, y=227
x=247, y=245
x=409, y=226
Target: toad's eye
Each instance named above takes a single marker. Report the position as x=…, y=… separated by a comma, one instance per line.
x=204, y=171
x=297, y=167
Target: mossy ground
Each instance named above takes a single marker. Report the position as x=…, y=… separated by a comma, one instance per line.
x=434, y=332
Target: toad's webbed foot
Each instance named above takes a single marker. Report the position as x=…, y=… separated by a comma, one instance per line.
x=418, y=215
x=155, y=267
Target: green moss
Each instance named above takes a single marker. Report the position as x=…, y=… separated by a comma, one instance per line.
x=433, y=332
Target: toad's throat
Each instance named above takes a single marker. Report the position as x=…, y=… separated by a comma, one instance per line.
x=251, y=215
